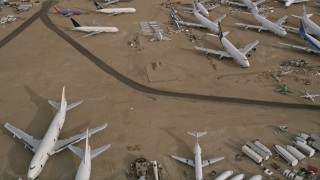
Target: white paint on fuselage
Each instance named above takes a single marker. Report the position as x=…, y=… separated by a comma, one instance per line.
x=202, y=9
x=41, y=156
x=96, y=28
x=117, y=10
x=311, y=25
x=235, y=53
x=270, y=25
x=84, y=170
x=206, y=22
x=198, y=161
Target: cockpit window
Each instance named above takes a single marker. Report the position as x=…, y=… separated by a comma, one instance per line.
x=32, y=167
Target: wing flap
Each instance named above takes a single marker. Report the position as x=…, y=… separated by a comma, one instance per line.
x=63, y=144
x=29, y=141
x=216, y=52
x=249, y=47
x=183, y=160
x=211, y=161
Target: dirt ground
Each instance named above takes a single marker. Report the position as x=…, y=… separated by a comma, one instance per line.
x=36, y=64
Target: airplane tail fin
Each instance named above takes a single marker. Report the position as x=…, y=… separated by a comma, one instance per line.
x=56, y=9
x=98, y=6
x=220, y=31
x=255, y=10
x=58, y=106
x=87, y=148
x=305, y=12
x=75, y=23
x=197, y=134
x=301, y=29
x=100, y=150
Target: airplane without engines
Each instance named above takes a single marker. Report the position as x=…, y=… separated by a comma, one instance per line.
x=312, y=28
x=67, y=12
x=315, y=44
x=113, y=11
x=310, y=96
x=86, y=156
x=245, y=3
x=204, y=22
x=287, y=3
x=283, y=90
x=239, y=55
x=200, y=7
x=50, y=144
x=92, y=30
x=266, y=24
x=197, y=163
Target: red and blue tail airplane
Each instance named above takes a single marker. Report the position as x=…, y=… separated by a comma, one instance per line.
x=67, y=12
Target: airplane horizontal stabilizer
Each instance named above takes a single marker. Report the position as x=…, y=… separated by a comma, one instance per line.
x=100, y=150
x=54, y=104
x=79, y=152
x=211, y=161
x=220, y=18
x=197, y=134
x=73, y=105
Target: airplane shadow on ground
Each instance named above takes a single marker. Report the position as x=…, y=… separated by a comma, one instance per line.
x=182, y=147
x=20, y=158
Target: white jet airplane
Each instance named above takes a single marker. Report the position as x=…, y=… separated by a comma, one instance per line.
x=246, y=3
x=205, y=23
x=50, y=144
x=311, y=40
x=160, y=37
x=287, y=3
x=200, y=7
x=310, y=96
x=113, y=11
x=231, y=51
x=312, y=29
x=87, y=155
x=197, y=163
x=92, y=30
x=266, y=24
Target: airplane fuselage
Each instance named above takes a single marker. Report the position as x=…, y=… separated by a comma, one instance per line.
x=289, y=2
x=206, y=22
x=70, y=12
x=45, y=149
x=235, y=53
x=116, y=10
x=198, y=161
x=96, y=29
x=311, y=40
x=202, y=9
x=311, y=25
x=270, y=25
x=84, y=168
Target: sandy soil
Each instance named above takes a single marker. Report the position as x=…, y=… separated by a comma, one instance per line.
x=154, y=125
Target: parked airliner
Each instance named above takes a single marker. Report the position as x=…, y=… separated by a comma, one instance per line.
x=113, y=11
x=266, y=24
x=66, y=12
x=311, y=40
x=200, y=7
x=310, y=96
x=92, y=30
x=86, y=156
x=197, y=163
x=287, y=3
x=205, y=23
x=50, y=144
x=312, y=28
x=246, y=3
x=231, y=51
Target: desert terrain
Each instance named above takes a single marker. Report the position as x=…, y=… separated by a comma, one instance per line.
x=36, y=64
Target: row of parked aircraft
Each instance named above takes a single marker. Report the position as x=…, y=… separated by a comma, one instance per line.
x=50, y=144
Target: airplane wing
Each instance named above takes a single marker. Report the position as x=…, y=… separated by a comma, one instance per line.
x=281, y=20
x=63, y=144
x=183, y=160
x=191, y=24
x=309, y=50
x=249, y=47
x=208, y=8
x=29, y=141
x=93, y=33
x=211, y=161
x=249, y=26
x=212, y=51
x=98, y=151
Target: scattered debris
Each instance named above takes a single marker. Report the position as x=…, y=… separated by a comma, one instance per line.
x=7, y=19
x=212, y=173
x=295, y=63
x=141, y=168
